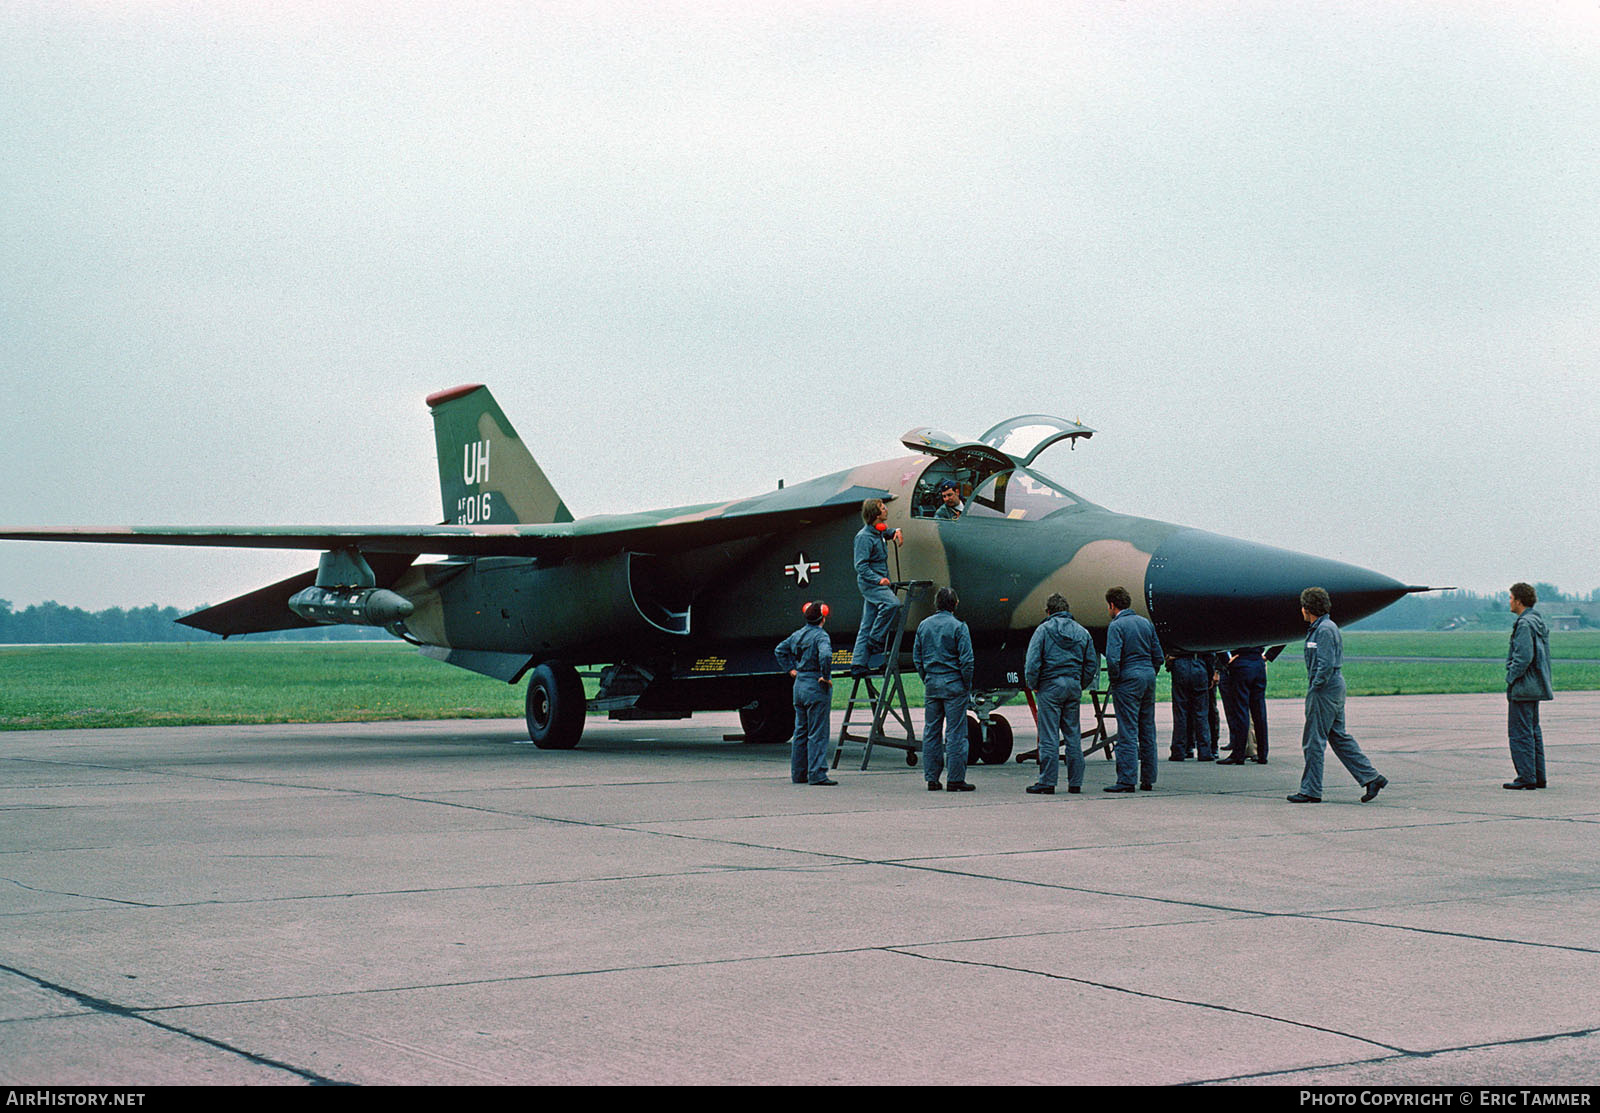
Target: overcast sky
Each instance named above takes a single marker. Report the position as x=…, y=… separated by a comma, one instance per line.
x=1323, y=275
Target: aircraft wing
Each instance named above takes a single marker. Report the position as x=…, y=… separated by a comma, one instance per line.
x=659, y=531
x=266, y=608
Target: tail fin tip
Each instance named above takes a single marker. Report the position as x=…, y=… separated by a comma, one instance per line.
x=440, y=397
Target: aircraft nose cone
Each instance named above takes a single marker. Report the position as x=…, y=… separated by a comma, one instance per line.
x=1207, y=592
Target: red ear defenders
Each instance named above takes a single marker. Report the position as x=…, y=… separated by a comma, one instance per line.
x=881, y=527
x=807, y=606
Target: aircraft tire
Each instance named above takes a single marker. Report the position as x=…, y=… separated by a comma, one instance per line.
x=974, y=740
x=998, y=747
x=770, y=718
x=556, y=707
x=994, y=749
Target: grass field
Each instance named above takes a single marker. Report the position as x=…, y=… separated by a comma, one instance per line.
x=237, y=682
x=53, y=687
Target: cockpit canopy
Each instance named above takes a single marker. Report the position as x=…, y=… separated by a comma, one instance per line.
x=992, y=473
x=1024, y=438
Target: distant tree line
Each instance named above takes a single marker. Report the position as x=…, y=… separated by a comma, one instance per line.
x=51, y=623
x=1467, y=610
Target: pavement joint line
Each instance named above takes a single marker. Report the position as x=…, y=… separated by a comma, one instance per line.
x=599, y=971
x=110, y=1008
x=838, y=859
x=1152, y=996
x=363, y=894
x=835, y=860
x=1332, y=918
x=910, y=863
x=79, y=896
x=1222, y=1080
x=903, y=949
x=1549, y=1037
x=1466, y=815
x=1329, y=915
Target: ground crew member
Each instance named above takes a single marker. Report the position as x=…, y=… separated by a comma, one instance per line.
x=1061, y=663
x=942, y=656
x=1527, y=682
x=1325, y=705
x=1191, y=692
x=1217, y=665
x=807, y=654
x=1244, y=701
x=950, y=504
x=880, y=607
x=1133, y=657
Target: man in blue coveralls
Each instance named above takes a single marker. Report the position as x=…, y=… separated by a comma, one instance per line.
x=1191, y=693
x=942, y=656
x=1244, y=698
x=880, y=607
x=1527, y=682
x=1325, y=705
x=1061, y=663
x=1133, y=657
x=807, y=654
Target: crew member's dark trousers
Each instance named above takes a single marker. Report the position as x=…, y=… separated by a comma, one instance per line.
x=1244, y=696
x=1527, y=742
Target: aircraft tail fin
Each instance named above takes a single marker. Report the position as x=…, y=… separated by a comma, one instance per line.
x=487, y=476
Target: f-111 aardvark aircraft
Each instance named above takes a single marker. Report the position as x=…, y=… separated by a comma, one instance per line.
x=679, y=609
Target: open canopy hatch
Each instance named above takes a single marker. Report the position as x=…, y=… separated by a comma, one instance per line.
x=985, y=465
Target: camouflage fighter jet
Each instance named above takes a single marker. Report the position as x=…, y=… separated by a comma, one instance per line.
x=680, y=609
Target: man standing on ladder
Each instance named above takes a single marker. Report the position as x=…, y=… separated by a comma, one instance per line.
x=942, y=656
x=880, y=607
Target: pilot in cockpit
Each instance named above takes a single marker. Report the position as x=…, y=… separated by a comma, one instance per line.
x=950, y=504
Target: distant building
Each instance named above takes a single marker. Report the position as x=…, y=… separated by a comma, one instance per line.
x=1564, y=621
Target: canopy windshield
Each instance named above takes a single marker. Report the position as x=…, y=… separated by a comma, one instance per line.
x=1022, y=495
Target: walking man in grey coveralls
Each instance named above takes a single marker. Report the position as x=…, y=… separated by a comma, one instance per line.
x=1061, y=663
x=1527, y=683
x=880, y=607
x=1133, y=657
x=942, y=656
x=1325, y=705
x=807, y=654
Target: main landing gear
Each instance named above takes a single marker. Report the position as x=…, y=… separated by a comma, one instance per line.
x=769, y=718
x=990, y=747
x=556, y=708
x=984, y=747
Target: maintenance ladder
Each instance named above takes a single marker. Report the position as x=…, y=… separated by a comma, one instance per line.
x=1103, y=739
x=888, y=698
x=1100, y=737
